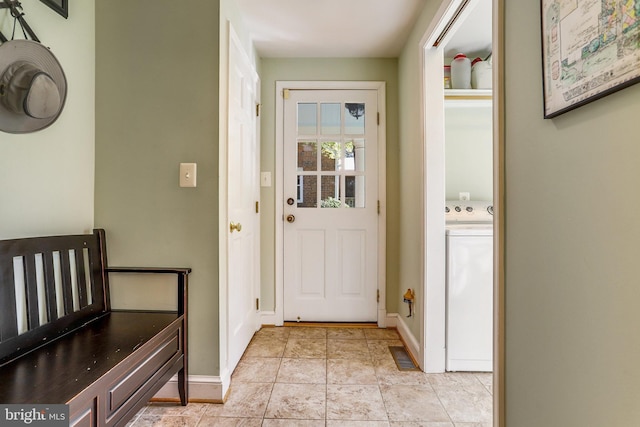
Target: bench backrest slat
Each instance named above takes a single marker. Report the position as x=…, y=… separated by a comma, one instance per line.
x=48, y=285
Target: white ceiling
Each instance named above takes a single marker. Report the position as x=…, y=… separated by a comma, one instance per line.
x=349, y=28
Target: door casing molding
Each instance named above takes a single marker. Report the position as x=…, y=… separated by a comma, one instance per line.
x=278, y=317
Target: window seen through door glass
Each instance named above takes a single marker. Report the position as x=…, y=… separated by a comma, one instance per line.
x=307, y=119
x=330, y=191
x=331, y=156
x=354, y=155
x=330, y=121
x=354, y=118
x=307, y=156
x=307, y=191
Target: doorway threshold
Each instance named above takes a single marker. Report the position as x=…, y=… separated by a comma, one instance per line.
x=333, y=324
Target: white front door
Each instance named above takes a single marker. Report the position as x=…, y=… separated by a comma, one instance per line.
x=243, y=268
x=330, y=191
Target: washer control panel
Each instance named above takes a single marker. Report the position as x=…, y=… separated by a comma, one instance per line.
x=471, y=211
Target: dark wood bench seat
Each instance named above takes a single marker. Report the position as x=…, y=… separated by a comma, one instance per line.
x=105, y=364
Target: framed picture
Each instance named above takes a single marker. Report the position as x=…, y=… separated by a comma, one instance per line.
x=589, y=50
x=60, y=6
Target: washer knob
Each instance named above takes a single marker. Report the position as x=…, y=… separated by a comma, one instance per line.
x=458, y=209
x=469, y=209
x=446, y=209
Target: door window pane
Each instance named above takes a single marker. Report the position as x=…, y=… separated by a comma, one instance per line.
x=307, y=191
x=354, y=155
x=331, y=156
x=330, y=191
x=330, y=119
x=354, y=191
x=354, y=118
x=307, y=156
x=307, y=119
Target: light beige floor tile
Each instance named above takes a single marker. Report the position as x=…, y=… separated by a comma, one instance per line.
x=345, y=334
x=306, y=348
x=161, y=420
x=265, y=347
x=379, y=349
x=175, y=409
x=388, y=373
x=307, y=332
x=277, y=332
x=256, y=370
x=355, y=402
x=303, y=371
x=420, y=424
x=348, y=349
x=381, y=334
x=412, y=403
x=246, y=400
x=469, y=404
x=473, y=424
x=269, y=422
x=486, y=378
x=351, y=371
x=208, y=421
x=348, y=423
x=454, y=379
x=297, y=401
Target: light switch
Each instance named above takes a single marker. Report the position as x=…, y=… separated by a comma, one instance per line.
x=188, y=174
x=265, y=179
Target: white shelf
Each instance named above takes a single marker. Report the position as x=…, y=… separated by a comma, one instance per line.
x=468, y=93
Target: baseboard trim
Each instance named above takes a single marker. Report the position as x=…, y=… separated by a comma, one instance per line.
x=394, y=320
x=269, y=318
x=202, y=389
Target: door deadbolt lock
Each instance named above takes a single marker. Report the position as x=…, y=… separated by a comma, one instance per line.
x=291, y=218
x=235, y=226
x=290, y=201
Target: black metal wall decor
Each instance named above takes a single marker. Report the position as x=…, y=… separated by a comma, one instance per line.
x=60, y=6
x=15, y=8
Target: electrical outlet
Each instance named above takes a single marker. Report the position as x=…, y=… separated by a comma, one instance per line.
x=464, y=195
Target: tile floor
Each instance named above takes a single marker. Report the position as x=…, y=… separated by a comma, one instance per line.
x=315, y=376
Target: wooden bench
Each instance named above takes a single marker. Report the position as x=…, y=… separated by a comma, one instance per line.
x=61, y=342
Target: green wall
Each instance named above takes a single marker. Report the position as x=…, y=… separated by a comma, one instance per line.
x=572, y=293
x=279, y=69
x=157, y=70
x=46, y=177
x=411, y=168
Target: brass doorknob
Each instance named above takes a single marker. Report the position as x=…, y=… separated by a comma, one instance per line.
x=291, y=218
x=235, y=226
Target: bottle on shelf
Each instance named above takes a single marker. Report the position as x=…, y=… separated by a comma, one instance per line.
x=461, y=72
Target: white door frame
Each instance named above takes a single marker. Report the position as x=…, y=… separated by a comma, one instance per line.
x=279, y=179
x=432, y=338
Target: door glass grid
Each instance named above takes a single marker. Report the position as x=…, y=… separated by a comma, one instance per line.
x=337, y=145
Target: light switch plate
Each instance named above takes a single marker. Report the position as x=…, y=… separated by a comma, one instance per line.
x=265, y=179
x=188, y=173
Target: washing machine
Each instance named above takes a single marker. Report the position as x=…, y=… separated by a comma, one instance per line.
x=469, y=286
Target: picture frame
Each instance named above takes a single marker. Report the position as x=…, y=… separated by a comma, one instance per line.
x=589, y=50
x=60, y=6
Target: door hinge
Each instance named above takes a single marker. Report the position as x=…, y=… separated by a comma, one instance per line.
x=378, y=296
x=378, y=207
x=257, y=304
x=285, y=93
x=258, y=110
x=257, y=207
x=378, y=119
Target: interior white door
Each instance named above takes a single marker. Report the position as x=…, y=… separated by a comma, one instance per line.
x=243, y=192
x=330, y=205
